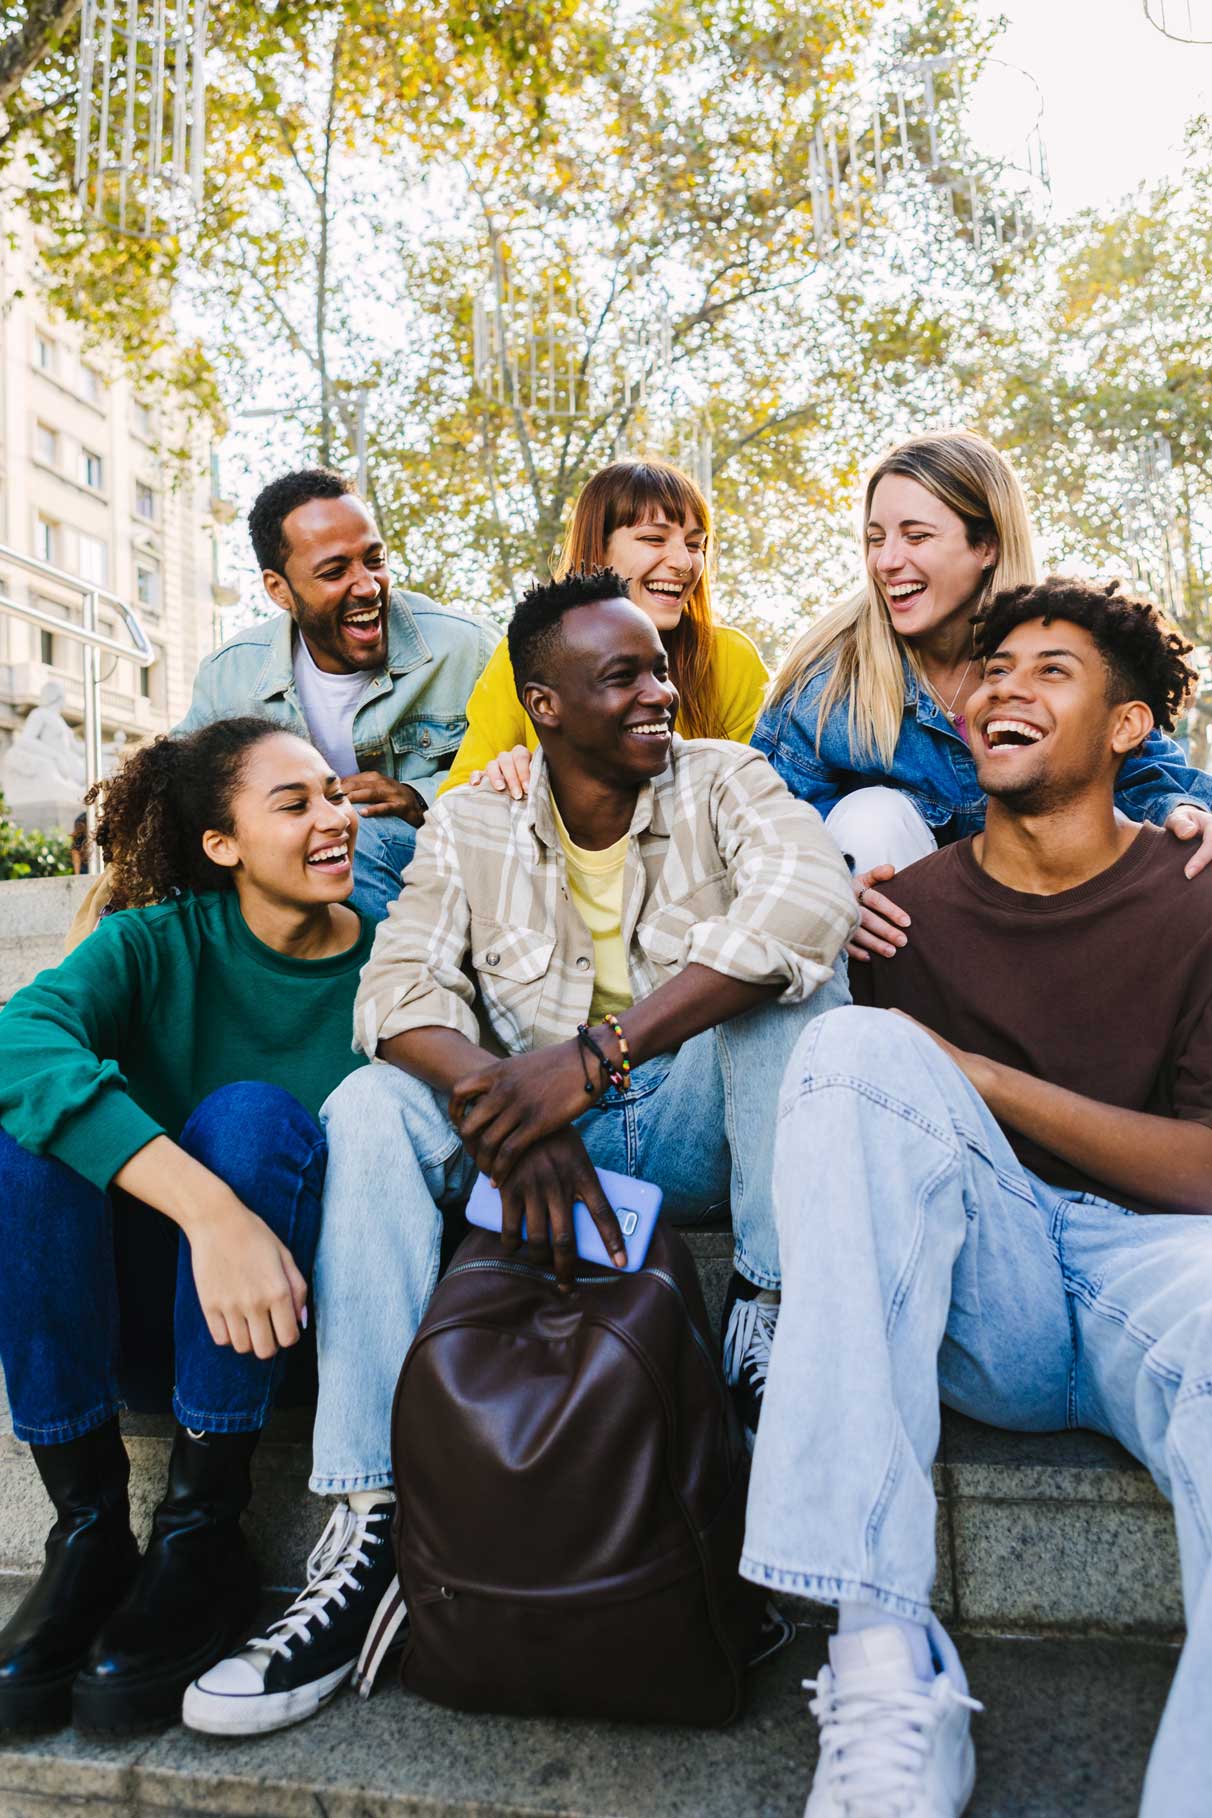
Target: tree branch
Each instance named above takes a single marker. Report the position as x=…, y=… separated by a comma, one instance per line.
x=777, y=422
x=20, y=50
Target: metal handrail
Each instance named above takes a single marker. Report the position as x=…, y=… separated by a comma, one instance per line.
x=92, y=643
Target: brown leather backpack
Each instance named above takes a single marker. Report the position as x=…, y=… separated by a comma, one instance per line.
x=571, y=1479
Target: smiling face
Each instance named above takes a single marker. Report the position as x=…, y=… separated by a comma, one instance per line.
x=1043, y=726
x=918, y=554
x=662, y=563
x=293, y=830
x=609, y=701
x=335, y=585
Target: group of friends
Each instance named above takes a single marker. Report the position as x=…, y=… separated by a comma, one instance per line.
x=909, y=953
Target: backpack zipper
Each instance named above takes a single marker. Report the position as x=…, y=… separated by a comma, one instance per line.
x=602, y=1281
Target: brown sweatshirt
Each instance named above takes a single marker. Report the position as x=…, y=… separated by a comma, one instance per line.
x=1106, y=989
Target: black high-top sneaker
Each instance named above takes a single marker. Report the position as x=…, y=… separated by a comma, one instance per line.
x=194, y=1595
x=304, y=1658
x=91, y=1558
x=746, y=1334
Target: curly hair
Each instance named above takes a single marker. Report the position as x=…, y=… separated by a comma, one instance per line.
x=275, y=502
x=163, y=798
x=1141, y=650
x=534, y=628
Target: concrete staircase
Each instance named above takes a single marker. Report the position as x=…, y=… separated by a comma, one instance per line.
x=1057, y=1569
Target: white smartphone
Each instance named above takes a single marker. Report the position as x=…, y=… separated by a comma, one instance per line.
x=636, y=1205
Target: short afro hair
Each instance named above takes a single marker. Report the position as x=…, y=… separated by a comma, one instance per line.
x=534, y=629
x=1142, y=652
x=275, y=502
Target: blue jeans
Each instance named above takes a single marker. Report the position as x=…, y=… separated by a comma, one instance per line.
x=700, y=1123
x=385, y=845
x=922, y=1260
x=97, y=1292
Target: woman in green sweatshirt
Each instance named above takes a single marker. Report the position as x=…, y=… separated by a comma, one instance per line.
x=161, y=1167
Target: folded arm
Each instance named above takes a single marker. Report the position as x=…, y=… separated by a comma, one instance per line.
x=1161, y=1161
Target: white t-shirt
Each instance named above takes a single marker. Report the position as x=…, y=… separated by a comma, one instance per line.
x=329, y=703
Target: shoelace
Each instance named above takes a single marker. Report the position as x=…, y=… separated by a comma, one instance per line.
x=875, y=1744
x=748, y=1340
x=329, y=1573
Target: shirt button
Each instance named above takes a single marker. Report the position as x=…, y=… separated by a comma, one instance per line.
x=582, y=964
x=492, y=959
x=425, y=738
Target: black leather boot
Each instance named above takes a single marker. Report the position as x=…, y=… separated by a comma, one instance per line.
x=193, y=1598
x=91, y=1558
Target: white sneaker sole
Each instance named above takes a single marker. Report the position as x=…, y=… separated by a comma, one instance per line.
x=227, y=1714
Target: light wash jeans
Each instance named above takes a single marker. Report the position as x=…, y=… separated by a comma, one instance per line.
x=385, y=845
x=921, y=1259
x=880, y=826
x=700, y=1123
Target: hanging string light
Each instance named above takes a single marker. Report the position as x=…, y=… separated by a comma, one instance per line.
x=905, y=138
x=1186, y=21
x=140, y=123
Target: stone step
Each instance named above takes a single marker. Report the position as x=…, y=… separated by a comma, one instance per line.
x=1038, y=1534
x=35, y=915
x=1065, y=1734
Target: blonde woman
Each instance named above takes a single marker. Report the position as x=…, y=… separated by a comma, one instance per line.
x=649, y=522
x=866, y=719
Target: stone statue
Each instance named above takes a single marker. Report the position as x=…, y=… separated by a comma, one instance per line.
x=112, y=752
x=42, y=772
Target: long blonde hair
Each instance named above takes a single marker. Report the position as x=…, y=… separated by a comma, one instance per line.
x=627, y=493
x=855, y=640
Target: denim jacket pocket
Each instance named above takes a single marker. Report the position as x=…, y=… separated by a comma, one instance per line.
x=430, y=743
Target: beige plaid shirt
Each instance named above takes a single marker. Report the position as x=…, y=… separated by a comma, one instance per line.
x=724, y=867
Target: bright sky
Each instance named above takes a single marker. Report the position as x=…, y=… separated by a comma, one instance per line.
x=1117, y=94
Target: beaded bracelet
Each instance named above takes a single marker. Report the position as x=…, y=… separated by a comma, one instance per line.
x=616, y=1029
x=610, y=1073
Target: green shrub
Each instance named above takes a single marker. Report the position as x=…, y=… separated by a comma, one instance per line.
x=32, y=854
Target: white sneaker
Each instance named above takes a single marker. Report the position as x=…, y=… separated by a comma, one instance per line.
x=892, y=1745
x=304, y=1658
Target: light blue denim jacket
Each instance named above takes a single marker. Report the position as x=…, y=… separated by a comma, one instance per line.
x=933, y=765
x=413, y=716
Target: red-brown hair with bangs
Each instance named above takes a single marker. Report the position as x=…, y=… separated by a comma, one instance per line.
x=638, y=492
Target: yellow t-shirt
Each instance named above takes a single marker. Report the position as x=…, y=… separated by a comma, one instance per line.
x=595, y=880
x=497, y=720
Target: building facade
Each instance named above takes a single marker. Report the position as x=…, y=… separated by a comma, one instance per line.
x=87, y=485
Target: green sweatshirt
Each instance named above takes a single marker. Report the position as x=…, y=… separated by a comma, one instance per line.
x=156, y=1009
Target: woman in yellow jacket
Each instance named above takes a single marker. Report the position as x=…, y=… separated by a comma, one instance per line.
x=649, y=522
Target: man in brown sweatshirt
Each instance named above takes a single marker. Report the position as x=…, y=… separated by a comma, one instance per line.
x=1012, y=1215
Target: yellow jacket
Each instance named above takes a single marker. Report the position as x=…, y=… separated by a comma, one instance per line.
x=497, y=720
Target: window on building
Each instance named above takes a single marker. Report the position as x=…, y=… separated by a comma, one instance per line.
x=46, y=540
x=92, y=469
x=147, y=585
x=145, y=423
x=55, y=652
x=151, y=680
x=46, y=445
x=92, y=385
x=92, y=559
x=145, y=500
x=44, y=353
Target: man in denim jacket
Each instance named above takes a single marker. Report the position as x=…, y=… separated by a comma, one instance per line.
x=376, y=678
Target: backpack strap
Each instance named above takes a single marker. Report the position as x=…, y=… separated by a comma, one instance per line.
x=386, y=1624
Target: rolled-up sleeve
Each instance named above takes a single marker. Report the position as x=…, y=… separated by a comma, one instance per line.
x=415, y=977
x=793, y=906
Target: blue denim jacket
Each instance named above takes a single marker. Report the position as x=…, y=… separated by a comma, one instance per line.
x=413, y=716
x=933, y=765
